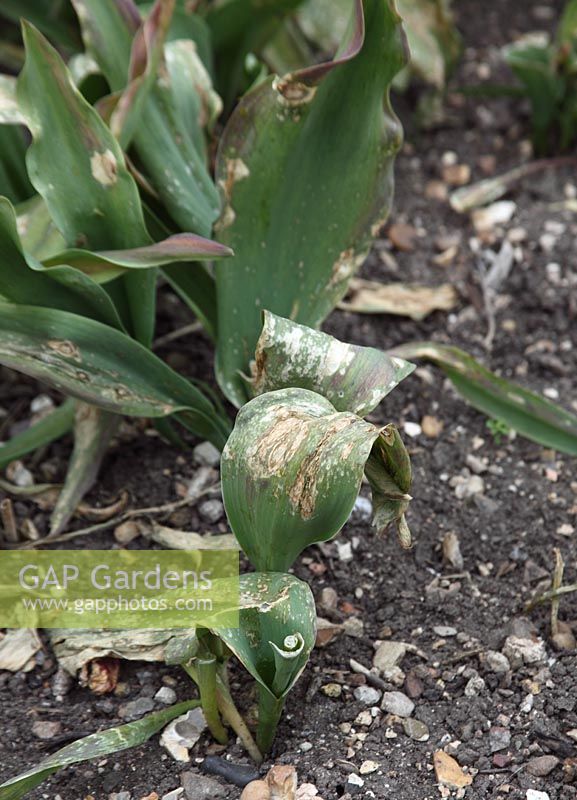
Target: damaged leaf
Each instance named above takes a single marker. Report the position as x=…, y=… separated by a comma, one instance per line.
x=353, y=378
x=291, y=473
x=299, y=240
x=400, y=299
x=529, y=414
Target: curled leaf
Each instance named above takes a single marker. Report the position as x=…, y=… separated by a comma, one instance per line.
x=292, y=469
x=400, y=299
x=353, y=378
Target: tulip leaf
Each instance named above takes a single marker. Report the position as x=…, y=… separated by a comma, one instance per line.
x=9, y=113
x=104, y=367
x=529, y=414
x=106, y=265
x=39, y=434
x=39, y=235
x=299, y=227
x=291, y=472
x=96, y=745
x=24, y=280
x=165, y=144
x=353, y=378
x=276, y=632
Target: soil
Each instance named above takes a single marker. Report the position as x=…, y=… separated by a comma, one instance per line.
x=507, y=533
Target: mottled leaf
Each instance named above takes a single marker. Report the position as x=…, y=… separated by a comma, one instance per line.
x=291, y=472
x=102, y=366
x=353, y=378
x=96, y=745
x=527, y=413
x=299, y=227
x=39, y=235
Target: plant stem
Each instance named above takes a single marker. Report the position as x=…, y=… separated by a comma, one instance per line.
x=206, y=680
x=269, y=713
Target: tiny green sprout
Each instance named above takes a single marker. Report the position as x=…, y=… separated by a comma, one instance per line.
x=498, y=429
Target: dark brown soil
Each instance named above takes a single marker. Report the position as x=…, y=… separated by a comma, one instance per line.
x=507, y=534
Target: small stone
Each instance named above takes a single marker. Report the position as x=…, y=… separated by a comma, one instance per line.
x=533, y=794
x=121, y=796
x=452, y=551
x=487, y=218
x=456, y=174
x=412, y=429
x=135, y=709
x=362, y=509
x=402, y=236
x=165, y=695
x=41, y=404
x=564, y=639
x=344, y=551
x=469, y=486
x=499, y=738
x=305, y=747
x=444, y=630
x=355, y=782
x=448, y=771
x=398, y=704
x=527, y=704
x=521, y=651
x=364, y=719
x=201, y=787
x=46, y=730
x=367, y=695
x=127, y=532
x=206, y=454
x=566, y=529
x=497, y=662
x=431, y=427
x=176, y=794
x=255, y=790
x=333, y=690
x=211, y=511
x=389, y=655
x=540, y=766
x=476, y=464
x=475, y=685
x=307, y=791
x=182, y=734
x=416, y=730
x=368, y=766
x=19, y=475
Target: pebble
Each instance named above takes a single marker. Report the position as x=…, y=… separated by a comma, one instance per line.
x=127, y=532
x=416, y=730
x=540, y=766
x=485, y=219
x=412, y=429
x=201, y=787
x=367, y=695
x=121, y=796
x=46, y=730
x=18, y=474
x=566, y=529
x=397, y=703
x=206, y=454
x=431, y=426
x=176, y=794
x=362, y=509
x=533, y=794
x=211, y=510
x=307, y=791
x=355, y=781
x=467, y=486
x=499, y=738
x=305, y=747
x=165, y=695
x=475, y=685
x=333, y=690
x=368, y=766
x=135, y=709
x=521, y=651
x=182, y=734
x=497, y=662
x=389, y=655
x=444, y=630
x=41, y=404
x=344, y=551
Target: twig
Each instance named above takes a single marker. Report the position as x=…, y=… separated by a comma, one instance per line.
x=192, y=327
x=557, y=583
x=9, y=520
x=462, y=655
x=168, y=508
x=550, y=595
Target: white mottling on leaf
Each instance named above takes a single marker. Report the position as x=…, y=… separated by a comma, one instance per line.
x=104, y=168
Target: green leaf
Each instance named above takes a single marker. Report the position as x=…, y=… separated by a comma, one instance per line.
x=305, y=167
x=14, y=181
x=103, y=367
x=97, y=745
x=529, y=414
x=434, y=42
x=9, y=113
x=196, y=288
x=163, y=141
x=76, y=164
x=39, y=235
x=276, y=632
x=41, y=433
x=24, y=280
x=106, y=265
x=353, y=378
x=291, y=472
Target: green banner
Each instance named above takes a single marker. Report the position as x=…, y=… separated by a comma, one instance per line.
x=106, y=589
